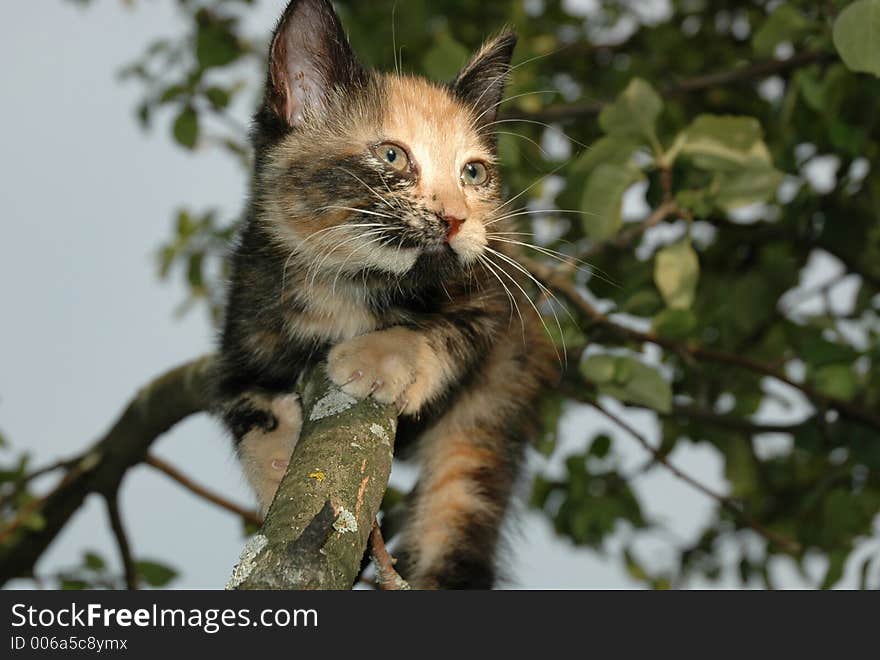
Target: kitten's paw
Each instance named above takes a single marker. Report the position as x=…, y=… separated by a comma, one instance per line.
x=387, y=366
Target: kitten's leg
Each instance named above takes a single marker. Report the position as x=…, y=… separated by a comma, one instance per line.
x=470, y=456
x=266, y=430
x=453, y=530
x=470, y=460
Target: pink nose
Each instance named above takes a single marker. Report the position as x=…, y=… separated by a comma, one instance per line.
x=453, y=225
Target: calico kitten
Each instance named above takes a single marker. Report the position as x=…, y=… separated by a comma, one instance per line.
x=366, y=245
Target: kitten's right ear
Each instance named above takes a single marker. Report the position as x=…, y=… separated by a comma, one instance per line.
x=309, y=58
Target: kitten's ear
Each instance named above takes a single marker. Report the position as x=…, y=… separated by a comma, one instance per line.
x=481, y=83
x=309, y=58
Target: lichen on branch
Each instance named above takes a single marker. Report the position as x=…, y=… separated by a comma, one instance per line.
x=318, y=526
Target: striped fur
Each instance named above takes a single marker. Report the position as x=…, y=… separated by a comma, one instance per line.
x=382, y=272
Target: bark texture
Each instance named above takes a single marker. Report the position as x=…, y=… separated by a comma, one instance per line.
x=316, y=530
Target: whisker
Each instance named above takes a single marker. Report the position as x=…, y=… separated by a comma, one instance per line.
x=523, y=192
x=525, y=137
x=316, y=268
x=533, y=121
x=296, y=249
x=535, y=307
x=341, y=227
x=394, y=38
x=484, y=261
x=514, y=214
x=515, y=96
x=566, y=259
x=391, y=194
x=366, y=185
x=601, y=274
x=349, y=208
x=547, y=292
x=345, y=261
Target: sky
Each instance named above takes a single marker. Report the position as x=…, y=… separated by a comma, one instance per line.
x=86, y=197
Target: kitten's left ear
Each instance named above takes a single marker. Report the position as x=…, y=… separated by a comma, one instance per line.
x=481, y=83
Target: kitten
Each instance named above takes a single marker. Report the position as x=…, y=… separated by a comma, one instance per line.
x=368, y=244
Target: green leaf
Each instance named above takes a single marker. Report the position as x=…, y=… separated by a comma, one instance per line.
x=445, y=58
x=812, y=89
x=34, y=521
x=724, y=143
x=94, y=561
x=733, y=190
x=700, y=202
x=642, y=303
x=218, y=97
x=836, y=564
x=645, y=387
x=785, y=24
x=635, y=570
x=599, y=369
x=857, y=36
x=864, y=572
x=509, y=150
x=195, y=274
x=154, y=573
x=628, y=380
x=676, y=272
x=186, y=225
x=173, y=92
x=675, y=324
x=74, y=585
x=216, y=44
x=837, y=380
x=186, y=127
x=739, y=467
x=634, y=112
x=600, y=446
x=611, y=149
x=602, y=201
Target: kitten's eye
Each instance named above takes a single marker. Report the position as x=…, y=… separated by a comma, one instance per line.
x=474, y=174
x=393, y=155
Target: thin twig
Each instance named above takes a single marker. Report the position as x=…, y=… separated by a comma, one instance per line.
x=76, y=468
x=157, y=407
x=25, y=480
x=561, y=284
x=731, y=505
x=131, y=575
x=387, y=578
x=628, y=236
x=736, y=423
x=754, y=71
x=175, y=474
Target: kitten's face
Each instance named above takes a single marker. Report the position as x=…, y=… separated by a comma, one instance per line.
x=377, y=172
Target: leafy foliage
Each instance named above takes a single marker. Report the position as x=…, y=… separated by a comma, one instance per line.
x=722, y=112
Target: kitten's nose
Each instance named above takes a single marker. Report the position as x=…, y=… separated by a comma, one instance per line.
x=453, y=224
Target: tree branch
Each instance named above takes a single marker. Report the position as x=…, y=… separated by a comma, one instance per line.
x=131, y=575
x=317, y=528
x=170, y=471
x=387, y=578
x=753, y=71
x=561, y=284
x=731, y=505
x=160, y=405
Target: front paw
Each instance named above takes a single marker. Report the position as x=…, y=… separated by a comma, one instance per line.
x=382, y=365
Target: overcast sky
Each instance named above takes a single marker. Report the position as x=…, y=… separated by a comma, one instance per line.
x=86, y=197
